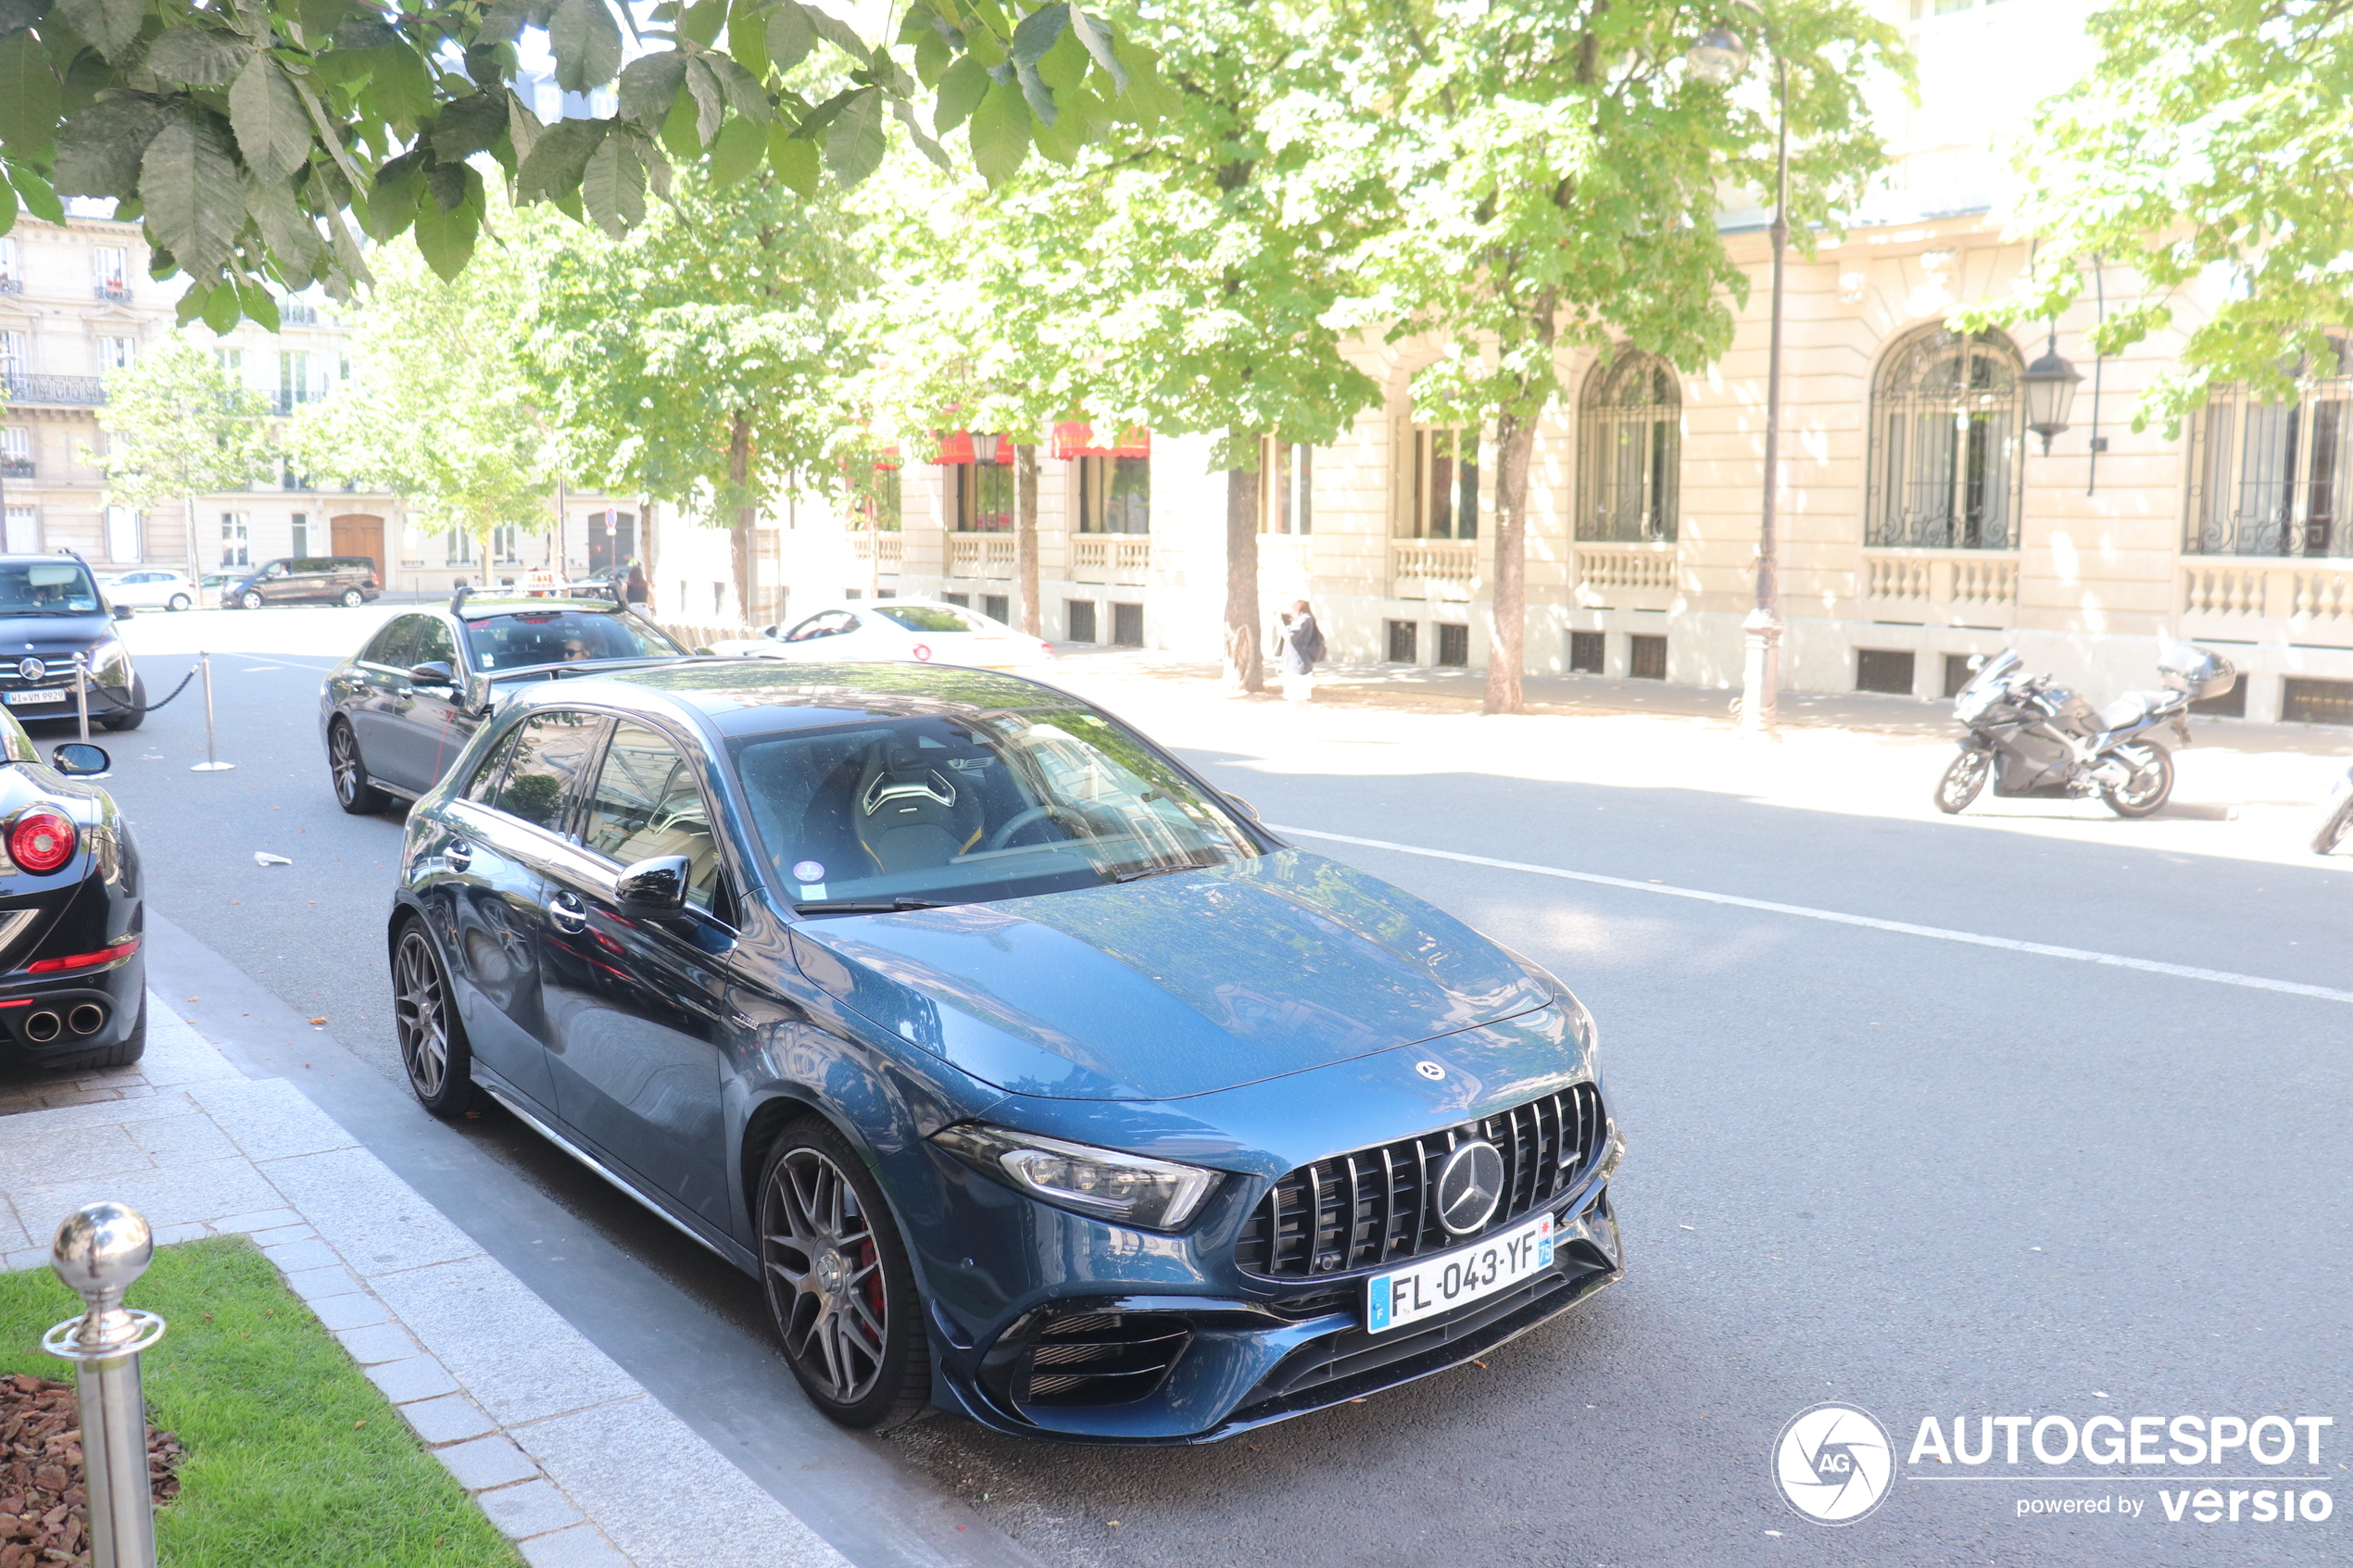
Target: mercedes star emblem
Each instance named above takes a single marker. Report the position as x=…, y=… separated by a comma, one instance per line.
x=1469, y=1185
x=1429, y=1070
x=31, y=668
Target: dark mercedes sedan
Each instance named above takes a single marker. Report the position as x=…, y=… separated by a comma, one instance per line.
x=398, y=713
x=1031, y=1077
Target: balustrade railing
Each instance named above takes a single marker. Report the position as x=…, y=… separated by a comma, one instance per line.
x=980, y=554
x=1433, y=568
x=888, y=549
x=1110, y=557
x=79, y=392
x=2255, y=593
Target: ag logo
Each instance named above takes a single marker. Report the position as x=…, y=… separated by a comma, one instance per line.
x=1833, y=1463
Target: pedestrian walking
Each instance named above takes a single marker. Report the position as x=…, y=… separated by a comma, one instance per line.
x=1303, y=649
x=634, y=588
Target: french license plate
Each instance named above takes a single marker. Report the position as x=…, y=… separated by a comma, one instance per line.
x=26, y=699
x=1454, y=1279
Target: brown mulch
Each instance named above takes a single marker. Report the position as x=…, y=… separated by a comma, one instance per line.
x=43, y=1516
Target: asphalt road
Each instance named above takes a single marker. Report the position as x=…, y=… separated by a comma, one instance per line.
x=1920, y=1175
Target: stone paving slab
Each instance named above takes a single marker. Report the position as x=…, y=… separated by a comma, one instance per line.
x=565, y=1452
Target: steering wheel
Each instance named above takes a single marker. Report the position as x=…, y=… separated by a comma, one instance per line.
x=1021, y=820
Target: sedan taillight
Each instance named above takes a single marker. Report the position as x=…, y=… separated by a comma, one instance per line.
x=42, y=839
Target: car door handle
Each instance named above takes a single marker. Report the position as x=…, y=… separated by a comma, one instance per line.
x=568, y=912
x=459, y=853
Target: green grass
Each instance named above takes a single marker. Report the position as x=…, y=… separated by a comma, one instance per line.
x=294, y=1457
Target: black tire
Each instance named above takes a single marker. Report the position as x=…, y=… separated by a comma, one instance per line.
x=2150, y=787
x=2331, y=832
x=348, y=772
x=138, y=714
x=830, y=1264
x=253, y=601
x=353, y=598
x=434, y=1052
x=123, y=1053
x=1964, y=777
x=177, y=602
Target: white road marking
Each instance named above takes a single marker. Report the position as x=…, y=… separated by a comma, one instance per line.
x=2044, y=949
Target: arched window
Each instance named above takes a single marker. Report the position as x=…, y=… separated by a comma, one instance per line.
x=2275, y=479
x=1947, y=417
x=1629, y=448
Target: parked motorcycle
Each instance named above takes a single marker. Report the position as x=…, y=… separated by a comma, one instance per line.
x=2338, y=818
x=2038, y=740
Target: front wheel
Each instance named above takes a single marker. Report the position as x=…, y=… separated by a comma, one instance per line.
x=251, y=601
x=136, y=714
x=177, y=602
x=839, y=1289
x=2333, y=830
x=1964, y=776
x=2148, y=786
x=349, y=770
x=433, y=1043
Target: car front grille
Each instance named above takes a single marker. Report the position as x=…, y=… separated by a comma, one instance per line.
x=1373, y=1208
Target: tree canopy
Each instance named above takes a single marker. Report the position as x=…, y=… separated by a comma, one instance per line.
x=179, y=425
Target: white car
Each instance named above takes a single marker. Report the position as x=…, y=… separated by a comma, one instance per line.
x=865, y=631
x=153, y=587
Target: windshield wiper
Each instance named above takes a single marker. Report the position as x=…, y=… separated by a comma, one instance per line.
x=866, y=906
x=1164, y=871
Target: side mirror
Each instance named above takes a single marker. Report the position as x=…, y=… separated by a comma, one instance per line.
x=123, y=612
x=767, y=631
x=656, y=886
x=433, y=672
x=79, y=759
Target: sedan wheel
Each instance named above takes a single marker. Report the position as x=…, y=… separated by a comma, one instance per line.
x=251, y=601
x=353, y=792
x=839, y=1290
x=353, y=598
x=177, y=601
x=433, y=1043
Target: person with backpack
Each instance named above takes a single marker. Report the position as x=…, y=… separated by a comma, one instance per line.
x=1303, y=649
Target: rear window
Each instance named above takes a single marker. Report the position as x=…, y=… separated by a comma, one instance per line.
x=529, y=638
x=928, y=618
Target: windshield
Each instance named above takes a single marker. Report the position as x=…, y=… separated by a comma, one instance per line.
x=562, y=636
x=1989, y=674
x=60, y=588
x=928, y=618
x=934, y=810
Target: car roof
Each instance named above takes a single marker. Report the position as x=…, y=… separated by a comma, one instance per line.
x=856, y=605
x=520, y=604
x=747, y=697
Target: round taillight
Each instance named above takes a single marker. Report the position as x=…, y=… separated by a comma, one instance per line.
x=42, y=840
x=923, y=651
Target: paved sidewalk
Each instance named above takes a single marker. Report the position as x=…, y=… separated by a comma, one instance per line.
x=562, y=1450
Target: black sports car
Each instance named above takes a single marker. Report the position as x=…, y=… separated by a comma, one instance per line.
x=395, y=714
x=73, y=984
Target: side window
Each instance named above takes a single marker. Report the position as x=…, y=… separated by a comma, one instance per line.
x=433, y=641
x=832, y=623
x=550, y=750
x=484, y=785
x=646, y=804
x=392, y=645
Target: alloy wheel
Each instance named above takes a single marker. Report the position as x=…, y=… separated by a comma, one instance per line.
x=343, y=759
x=352, y=599
x=823, y=1274
x=1963, y=778
x=421, y=1015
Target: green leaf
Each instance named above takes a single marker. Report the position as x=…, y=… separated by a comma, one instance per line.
x=188, y=183
x=587, y=42
x=678, y=128
x=854, y=146
x=40, y=196
x=743, y=89
x=220, y=309
x=447, y=183
x=112, y=25
x=446, y=237
x=932, y=57
x=293, y=240
x=961, y=92
x=1001, y=133
x=649, y=86
x=8, y=204
x=789, y=37
x=702, y=21
x=711, y=99
x=1038, y=32
x=614, y=186
x=254, y=301
x=817, y=121
x=840, y=34
x=554, y=167
x=1034, y=92
x=922, y=138
x=399, y=88
x=1080, y=114
x=741, y=147
x=795, y=159
x=1147, y=97
x=523, y=128
x=1063, y=65
x=392, y=203
x=272, y=130
x=28, y=99
x=468, y=125
x=747, y=36
x=99, y=150
x=1096, y=39
x=201, y=57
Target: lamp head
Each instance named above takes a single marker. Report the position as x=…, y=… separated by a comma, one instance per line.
x=2049, y=384
x=1719, y=59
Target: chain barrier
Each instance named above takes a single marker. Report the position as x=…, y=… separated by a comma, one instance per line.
x=122, y=698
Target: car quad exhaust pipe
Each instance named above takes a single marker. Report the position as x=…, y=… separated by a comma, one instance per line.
x=86, y=1019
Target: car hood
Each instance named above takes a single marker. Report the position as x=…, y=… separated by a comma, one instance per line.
x=1175, y=985
x=42, y=635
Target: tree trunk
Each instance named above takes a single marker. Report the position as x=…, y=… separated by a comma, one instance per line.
x=1025, y=538
x=740, y=534
x=1242, y=664
x=646, y=558
x=1507, y=599
x=195, y=566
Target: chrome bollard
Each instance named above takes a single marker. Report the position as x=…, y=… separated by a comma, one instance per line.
x=212, y=763
x=100, y=1252
x=82, y=692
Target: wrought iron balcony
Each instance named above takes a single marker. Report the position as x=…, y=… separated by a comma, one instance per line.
x=15, y=468
x=11, y=286
x=114, y=293
x=297, y=313
x=80, y=392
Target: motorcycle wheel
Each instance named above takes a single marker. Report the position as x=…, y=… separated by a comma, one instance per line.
x=2331, y=832
x=1964, y=776
x=2149, y=788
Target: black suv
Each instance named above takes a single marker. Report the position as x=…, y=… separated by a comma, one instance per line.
x=50, y=611
x=395, y=714
x=349, y=580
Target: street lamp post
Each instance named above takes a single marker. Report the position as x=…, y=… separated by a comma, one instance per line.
x=1720, y=57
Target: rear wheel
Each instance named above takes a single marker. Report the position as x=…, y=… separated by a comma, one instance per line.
x=177, y=601
x=2150, y=783
x=352, y=791
x=353, y=598
x=2332, y=831
x=1964, y=776
x=839, y=1289
x=433, y=1043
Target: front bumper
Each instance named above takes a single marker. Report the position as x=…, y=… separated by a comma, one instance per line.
x=1173, y=1369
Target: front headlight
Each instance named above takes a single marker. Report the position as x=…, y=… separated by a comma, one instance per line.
x=1152, y=1194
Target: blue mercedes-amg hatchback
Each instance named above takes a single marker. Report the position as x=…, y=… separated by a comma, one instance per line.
x=1032, y=1077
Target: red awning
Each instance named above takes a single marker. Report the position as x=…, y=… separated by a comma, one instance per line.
x=1076, y=438
x=964, y=446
